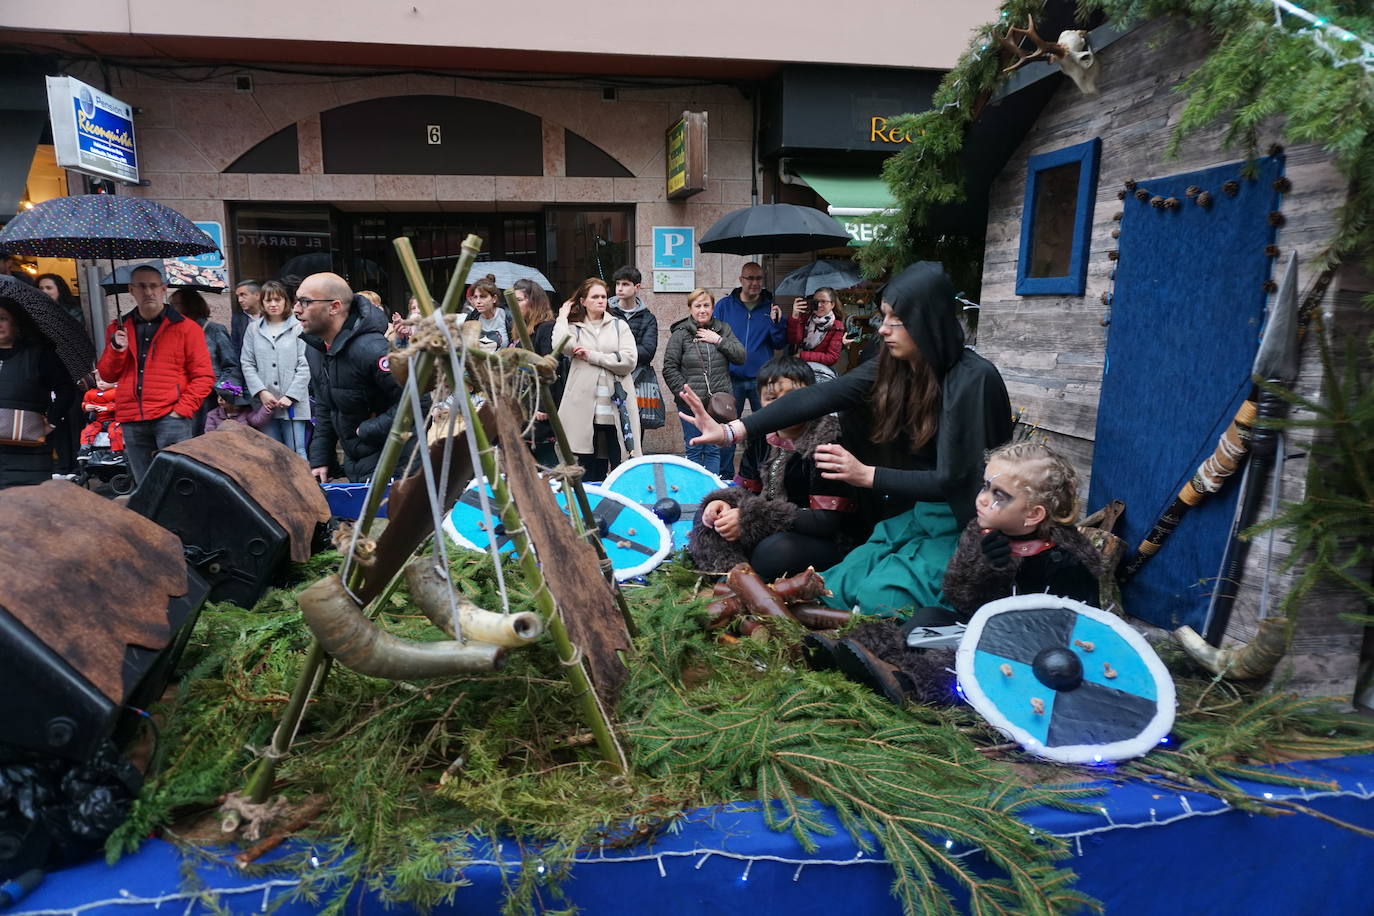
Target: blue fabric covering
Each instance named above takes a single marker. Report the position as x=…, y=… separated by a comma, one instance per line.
x=1186, y=318
x=1144, y=850
x=346, y=499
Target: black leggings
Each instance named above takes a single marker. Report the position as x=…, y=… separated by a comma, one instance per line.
x=605, y=453
x=788, y=553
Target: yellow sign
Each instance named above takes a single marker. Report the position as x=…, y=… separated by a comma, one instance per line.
x=879, y=132
x=686, y=155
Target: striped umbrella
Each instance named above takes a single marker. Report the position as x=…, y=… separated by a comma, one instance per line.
x=103, y=226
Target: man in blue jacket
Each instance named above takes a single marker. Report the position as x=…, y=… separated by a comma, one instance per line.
x=760, y=326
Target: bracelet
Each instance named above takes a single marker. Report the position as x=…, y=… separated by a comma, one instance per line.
x=730, y=436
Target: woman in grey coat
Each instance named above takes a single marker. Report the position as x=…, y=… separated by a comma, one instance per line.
x=275, y=367
x=698, y=355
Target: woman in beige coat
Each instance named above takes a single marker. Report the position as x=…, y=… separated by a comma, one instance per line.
x=602, y=351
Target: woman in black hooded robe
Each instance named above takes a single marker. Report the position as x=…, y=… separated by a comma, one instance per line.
x=919, y=418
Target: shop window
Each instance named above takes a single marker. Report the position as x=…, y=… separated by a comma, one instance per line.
x=279, y=154
x=283, y=243
x=585, y=243
x=1056, y=221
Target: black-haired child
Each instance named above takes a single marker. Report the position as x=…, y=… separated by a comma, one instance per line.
x=1022, y=541
x=782, y=516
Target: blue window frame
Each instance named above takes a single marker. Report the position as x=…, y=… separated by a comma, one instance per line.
x=1056, y=220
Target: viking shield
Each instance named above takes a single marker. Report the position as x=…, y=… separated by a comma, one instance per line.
x=635, y=541
x=654, y=478
x=1066, y=681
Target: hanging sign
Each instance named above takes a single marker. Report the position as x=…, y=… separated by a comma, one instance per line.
x=686, y=151
x=92, y=132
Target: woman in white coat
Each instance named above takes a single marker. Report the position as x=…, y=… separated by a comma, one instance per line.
x=602, y=351
x=275, y=369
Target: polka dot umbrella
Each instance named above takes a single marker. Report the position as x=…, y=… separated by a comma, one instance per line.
x=1064, y=680
x=66, y=334
x=103, y=226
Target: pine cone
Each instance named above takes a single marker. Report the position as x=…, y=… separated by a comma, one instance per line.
x=1142, y=195
x=1171, y=203
x=1204, y=200
x=1232, y=188
x=1193, y=191
x=1271, y=251
x=1130, y=184
x=1157, y=202
x=1276, y=218
x=1282, y=184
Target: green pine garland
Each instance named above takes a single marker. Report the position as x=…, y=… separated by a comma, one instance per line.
x=1254, y=72
x=413, y=772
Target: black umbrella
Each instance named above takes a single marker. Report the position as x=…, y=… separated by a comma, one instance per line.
x=103, y=226
x=773, y=229
x=118, y=282
x=807, y=279
x=65, y=333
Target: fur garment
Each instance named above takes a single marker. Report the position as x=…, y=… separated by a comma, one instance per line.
x=931, y=670
x=971, y=581
x=759, y=516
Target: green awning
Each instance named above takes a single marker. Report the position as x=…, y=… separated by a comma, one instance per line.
x=851, y=190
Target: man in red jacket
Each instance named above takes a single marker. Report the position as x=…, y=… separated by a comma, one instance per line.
x=162, y=367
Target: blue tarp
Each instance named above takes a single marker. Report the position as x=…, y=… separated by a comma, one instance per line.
x=1142, y=850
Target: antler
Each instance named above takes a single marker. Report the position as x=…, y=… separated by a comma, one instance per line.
x=1046, y=50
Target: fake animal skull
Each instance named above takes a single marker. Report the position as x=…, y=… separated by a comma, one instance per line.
x=1078, y=60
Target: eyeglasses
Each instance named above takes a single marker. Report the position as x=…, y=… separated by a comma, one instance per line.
x=758, y=279
x=303, y=301
x=892, y=323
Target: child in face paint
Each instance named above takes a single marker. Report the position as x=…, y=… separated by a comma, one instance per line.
x=1023, y=539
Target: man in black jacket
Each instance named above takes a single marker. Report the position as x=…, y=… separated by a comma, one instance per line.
x=355, y=394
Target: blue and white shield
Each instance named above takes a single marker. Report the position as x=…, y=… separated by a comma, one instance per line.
x=1066, y=681
x=634, y=540
x=653, y=478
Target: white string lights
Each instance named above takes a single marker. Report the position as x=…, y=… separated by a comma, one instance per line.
x=1323, y=33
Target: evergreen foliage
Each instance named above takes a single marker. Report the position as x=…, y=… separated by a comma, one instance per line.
x=417, y=776
x=1255, y=72
x=1333, y=526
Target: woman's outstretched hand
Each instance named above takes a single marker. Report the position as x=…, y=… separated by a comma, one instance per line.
x=836, y=463
x=712, y=432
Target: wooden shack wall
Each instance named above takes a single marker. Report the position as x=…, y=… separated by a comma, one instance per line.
x=1050, y=349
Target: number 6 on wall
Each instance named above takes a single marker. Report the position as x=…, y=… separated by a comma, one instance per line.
x=434, y=135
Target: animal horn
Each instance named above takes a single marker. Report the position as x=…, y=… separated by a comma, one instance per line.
x=432, y=593
x=360, y=645
x=1254, y=659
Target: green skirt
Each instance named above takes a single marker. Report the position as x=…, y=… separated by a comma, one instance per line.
x=899, y=568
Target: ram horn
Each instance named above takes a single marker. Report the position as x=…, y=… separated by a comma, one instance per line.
x=433, y=594
x=1239, y=663
x=359, y=645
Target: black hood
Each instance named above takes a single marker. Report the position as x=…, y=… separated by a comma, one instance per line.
x=923, y=297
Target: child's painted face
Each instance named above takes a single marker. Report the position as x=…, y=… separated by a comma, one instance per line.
x=1003, y=503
